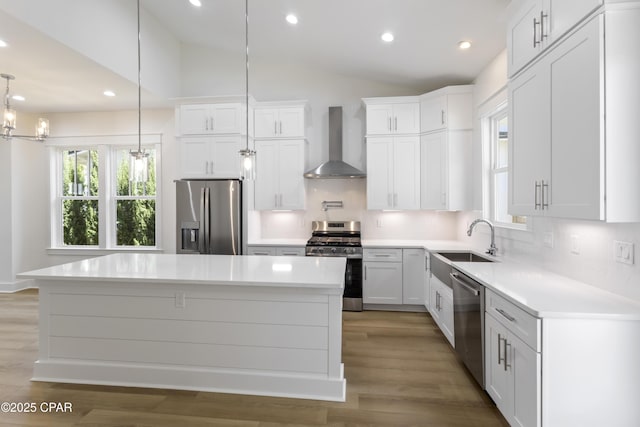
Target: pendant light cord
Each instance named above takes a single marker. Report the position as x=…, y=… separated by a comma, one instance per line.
x=246, y=61
x=139, y=90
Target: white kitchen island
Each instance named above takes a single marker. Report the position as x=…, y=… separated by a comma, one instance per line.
x=237, y=324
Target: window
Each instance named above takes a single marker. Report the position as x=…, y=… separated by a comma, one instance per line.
x=497, y=125
x=98, y=203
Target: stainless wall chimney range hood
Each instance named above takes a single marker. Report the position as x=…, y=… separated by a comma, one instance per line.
x=335, y=167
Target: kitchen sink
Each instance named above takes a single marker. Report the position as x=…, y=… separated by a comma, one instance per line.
x=464, y=256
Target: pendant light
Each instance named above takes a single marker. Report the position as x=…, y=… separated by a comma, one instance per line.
x=247, y=155
x=9, y=118
x=138, y=165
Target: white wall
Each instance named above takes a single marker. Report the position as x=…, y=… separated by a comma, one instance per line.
x=594, y=264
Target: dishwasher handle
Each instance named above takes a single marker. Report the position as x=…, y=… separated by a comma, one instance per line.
x=469, y=287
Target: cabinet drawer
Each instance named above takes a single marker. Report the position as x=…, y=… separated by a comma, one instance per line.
x=261, y=250
x=518, y=321
x=290, y=251
x=382, y=255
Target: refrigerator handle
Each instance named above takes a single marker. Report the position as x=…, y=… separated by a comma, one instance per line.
x=207, y=212
x=201, y=231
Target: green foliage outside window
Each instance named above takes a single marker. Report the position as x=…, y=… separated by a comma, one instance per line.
x=136, y=218
x=80, y=216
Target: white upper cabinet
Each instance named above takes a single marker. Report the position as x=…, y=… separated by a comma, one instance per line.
x=392, y=116
x=445, y=148
x=274, y=121
x=567, y=160
x=536, y=24
x=279, y=183
x=448, y=108
x=210, y=156
x=199, y=119
x=393, y=173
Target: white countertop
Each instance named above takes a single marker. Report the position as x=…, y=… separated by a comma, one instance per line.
x=547, y=295
x=280, y=271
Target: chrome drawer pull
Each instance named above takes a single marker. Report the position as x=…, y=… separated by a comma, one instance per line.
x=506, y=315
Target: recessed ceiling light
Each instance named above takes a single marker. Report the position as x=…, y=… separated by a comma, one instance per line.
x=18, y=97
x=196, y=3
x=387, y=37
x=464, y=44
x=3, y=43
x=109, y=93
x=292, y=19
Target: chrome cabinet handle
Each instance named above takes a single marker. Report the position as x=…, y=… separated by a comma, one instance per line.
x=389, y=126
x=212, y=124
x=442, y=116
x=206, y=123
x=542, y=18
x=365, y=272
x=536, y=204
x=506, y=361
x=542, y=199
x=281, y=127
x=535, y=40
x=275, y=128
x=395, y=119
x=499, y=349
x=506, y=315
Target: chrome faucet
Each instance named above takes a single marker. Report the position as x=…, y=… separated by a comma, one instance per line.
x=493, y=249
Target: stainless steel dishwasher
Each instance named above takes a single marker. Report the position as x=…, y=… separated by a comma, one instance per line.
x=468, y=318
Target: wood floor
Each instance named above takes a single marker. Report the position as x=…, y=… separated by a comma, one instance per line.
x=400, y=372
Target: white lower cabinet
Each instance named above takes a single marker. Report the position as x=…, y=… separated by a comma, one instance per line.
x=512, y=373
x=394, y=276
x=441, y=307
x=382, y=276
x=413, y=276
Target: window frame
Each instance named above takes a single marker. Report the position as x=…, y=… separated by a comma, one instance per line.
x=107, y=147
x=495, y=109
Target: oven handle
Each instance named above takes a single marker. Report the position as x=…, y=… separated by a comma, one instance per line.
x=465, y=285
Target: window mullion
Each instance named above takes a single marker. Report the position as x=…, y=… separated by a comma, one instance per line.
x=104, y=215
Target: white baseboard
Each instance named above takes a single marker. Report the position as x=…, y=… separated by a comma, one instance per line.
x=261, y=383
x=19, y=285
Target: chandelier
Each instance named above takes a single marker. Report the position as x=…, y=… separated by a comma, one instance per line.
x=9, y=119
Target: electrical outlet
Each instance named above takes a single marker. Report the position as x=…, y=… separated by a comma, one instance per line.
x=623, y=252
x=575, y=244
x=181, y=301
x=547, y=239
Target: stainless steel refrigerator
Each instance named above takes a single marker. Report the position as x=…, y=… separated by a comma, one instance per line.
x=209, y=217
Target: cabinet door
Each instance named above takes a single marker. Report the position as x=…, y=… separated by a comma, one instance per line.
x=529, y=153
x=265, y=122
x=564, y=14
x=226, y=118
x=195, y=157
x=495, y=372
x=195, y=119
x=446, y=314
x=433, y=113
x=523, y=35
x=266, y=184
x=379, y=173
x=382, y=283
x=290, y=251
x=434, y=299
x=577, y=132
x=413, y=276
x=433, y=177
x=225, y=157
x=290, y=171
x=406, y=118
x=525, y=368
x=406, y=173
x=379, y=119
x=291, y=122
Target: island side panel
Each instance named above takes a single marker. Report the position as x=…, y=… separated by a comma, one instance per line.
x=274, y=341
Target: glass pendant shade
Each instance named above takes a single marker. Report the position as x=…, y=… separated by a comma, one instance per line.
x=42, y=129
x=9, y=120
x=139, y=166
x=248, y=164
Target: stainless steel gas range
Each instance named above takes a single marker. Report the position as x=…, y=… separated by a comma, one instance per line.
x=341, y=239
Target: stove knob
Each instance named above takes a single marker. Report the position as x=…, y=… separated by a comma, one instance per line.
x=333, y=250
